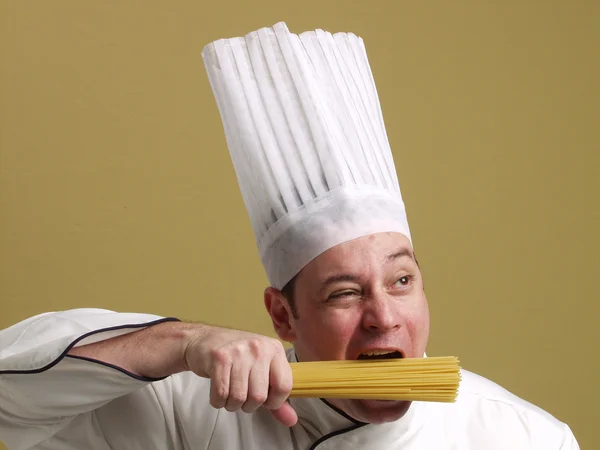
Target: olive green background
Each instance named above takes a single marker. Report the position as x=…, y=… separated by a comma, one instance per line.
x=117, y=191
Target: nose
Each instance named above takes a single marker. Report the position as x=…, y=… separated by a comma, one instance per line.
x=381, y=314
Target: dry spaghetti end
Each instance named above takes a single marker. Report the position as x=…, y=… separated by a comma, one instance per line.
x=433, y=379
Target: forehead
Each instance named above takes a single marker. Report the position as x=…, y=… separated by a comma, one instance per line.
x=360, y=254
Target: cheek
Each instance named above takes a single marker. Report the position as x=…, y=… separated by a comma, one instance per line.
x=327, y=333
x=417, y=324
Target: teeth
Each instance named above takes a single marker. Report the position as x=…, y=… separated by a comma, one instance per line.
x=378, y=352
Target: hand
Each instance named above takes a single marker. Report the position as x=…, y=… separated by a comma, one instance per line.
x=246, y=370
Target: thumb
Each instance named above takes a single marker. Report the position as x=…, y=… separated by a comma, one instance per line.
x=286, y=415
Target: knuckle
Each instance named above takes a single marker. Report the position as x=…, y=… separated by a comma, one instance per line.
x=258, y=397
x=220, y=356
x=237, y=397
x=238, y=350
x=255, y=346
x=282, y=386
x=279, y=349
x=219, y=393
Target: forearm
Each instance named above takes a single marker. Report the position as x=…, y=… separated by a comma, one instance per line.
x=154, y=352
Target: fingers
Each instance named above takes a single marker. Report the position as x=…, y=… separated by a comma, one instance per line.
x=280, y=382
x=238, y=385
x=249, y=373
x=258, y=387
x=219, y=383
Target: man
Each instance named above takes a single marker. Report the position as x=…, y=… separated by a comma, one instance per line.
x=307, y=140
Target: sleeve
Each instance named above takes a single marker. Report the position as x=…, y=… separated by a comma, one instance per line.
x=569, y=441
x=42, y=389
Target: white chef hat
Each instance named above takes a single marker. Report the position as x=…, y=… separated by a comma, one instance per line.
x=307, y=139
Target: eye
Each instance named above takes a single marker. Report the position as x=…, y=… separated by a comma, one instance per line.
x=341, y=294
x=404, y=281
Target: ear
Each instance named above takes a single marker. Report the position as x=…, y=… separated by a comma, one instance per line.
x=281, y=315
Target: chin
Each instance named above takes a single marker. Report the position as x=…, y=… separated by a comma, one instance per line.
x=375, y=411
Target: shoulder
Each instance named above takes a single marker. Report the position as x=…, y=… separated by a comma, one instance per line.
x=478, y=392
x=488, y=412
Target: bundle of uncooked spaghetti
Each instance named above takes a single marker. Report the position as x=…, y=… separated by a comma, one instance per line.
x=434, y=379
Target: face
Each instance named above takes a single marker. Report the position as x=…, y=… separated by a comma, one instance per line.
x=360, y=296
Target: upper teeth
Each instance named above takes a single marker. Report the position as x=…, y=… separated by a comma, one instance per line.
x=378, y=352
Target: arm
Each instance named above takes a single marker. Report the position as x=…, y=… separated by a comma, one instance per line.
x=56, y=366
x=153, y=352
x=246, y=370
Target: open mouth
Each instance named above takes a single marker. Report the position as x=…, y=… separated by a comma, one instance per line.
x=380, y=354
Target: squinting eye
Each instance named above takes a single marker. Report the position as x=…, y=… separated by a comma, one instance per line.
x=341, y=294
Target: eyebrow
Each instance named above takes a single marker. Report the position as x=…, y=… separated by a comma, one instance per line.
x=405, y=252
x=338, y=278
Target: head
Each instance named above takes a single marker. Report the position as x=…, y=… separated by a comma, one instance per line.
x=362, y=295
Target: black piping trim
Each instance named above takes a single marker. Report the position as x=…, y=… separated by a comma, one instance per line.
x=334, y=434
x=120, y=369
x=342, y=413
x=335, y=408
x=72, y=344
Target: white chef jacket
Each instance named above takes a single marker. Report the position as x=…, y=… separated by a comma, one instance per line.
x=49, y=400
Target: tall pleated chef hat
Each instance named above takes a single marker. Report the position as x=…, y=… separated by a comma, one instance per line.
x=306, y=135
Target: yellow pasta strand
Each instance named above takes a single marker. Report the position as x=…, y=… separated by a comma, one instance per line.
x=434, y=379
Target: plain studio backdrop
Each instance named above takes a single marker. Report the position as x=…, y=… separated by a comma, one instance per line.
x=117, y=191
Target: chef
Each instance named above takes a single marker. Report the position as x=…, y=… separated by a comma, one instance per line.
x=307, y=139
